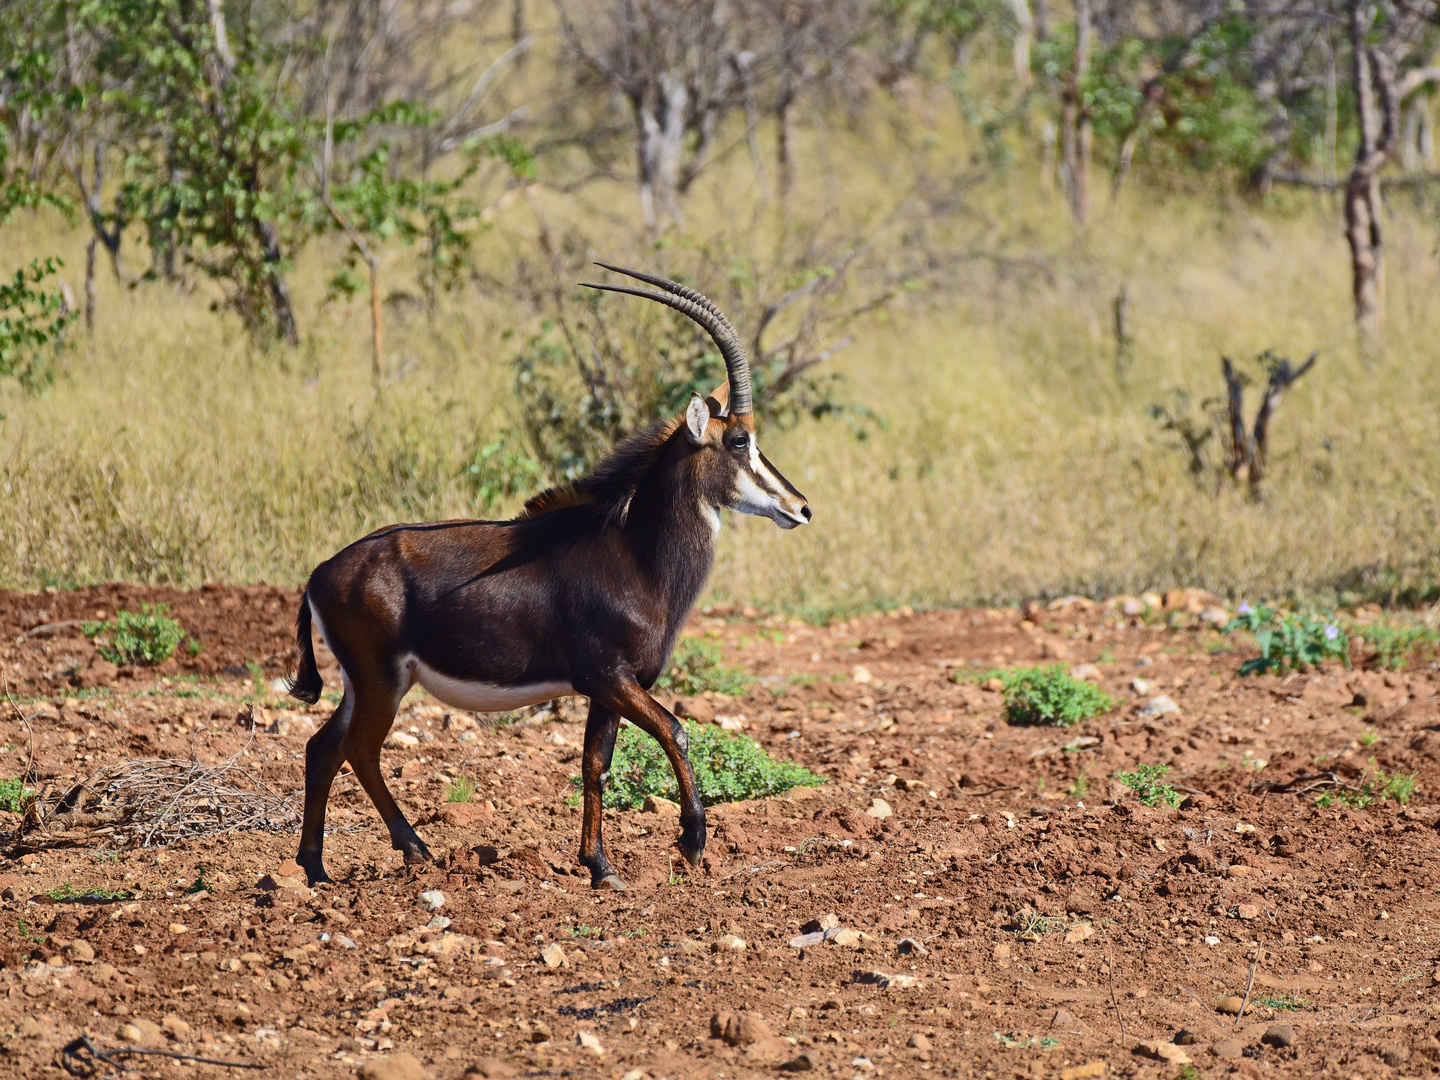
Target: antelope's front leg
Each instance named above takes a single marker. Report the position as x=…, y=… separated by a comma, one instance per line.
x=642, y=710
x=601, y=727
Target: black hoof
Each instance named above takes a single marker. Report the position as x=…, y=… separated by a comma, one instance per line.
x=314, y=871
x=415, y=850
x=692, y=842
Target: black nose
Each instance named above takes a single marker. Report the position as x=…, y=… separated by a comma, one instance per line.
x=805, y=511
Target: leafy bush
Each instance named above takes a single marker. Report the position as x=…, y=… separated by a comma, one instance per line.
x=130, y=638
x=728, y=766
x=1050, y=695
x=14, y=795
x=695, y=667
x=69, y=892
x=1289, y=640
x=33, y=321
x=1149, y=787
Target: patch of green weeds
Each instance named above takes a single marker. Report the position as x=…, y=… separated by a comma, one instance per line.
x=1394, y=646
x=728, y=766
x=15, y=796
x=1376, y=785
x=1026, y=1042
x=462, y=790
x=200, y=884
x=1293, y=1003
x=1050, y=695
x=1081, y=787
x=29, y=934
x=1289, y=641
x=1148, y=784
x=1033, y=926
x=803, y=680
x=148, y=636
x=673, y=878
x=1369, y=737
x=1107, y=656
x=69, y=892
x=695, y=667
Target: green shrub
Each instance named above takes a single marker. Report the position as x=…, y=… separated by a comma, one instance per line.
x=145, y=638
x=727, y=765
x=462, y=790
x=14, y=796
x=33, y=322
x=1050, y=695
x=1289, y=640
x=695, y=667
x=69, y=892
x=1149, y=787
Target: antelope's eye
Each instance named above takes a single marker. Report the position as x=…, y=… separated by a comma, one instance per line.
x=741, y=441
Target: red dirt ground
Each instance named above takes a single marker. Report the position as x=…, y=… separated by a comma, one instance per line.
x=1008, y=924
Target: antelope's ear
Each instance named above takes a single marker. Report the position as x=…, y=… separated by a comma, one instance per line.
x=697, y=416
x=719, y=399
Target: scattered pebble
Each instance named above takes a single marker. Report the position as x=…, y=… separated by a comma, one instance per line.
x=1230, y=1006
x=392, y=1067
x=1159, y=706
x=552, y=955
x=587, y=1040
x=1228, y=1049
x=879, y=808
x=1279, y=1035
x=433, y=900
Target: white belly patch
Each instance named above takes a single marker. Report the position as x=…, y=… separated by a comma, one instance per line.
x=484, y=697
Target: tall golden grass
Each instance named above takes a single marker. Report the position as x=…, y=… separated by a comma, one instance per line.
x=1015, y=462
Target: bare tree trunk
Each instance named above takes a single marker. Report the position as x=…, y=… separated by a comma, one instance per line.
x=1377, y=112
x=90, y=285
x=1042, y=20
x=1020, y=51
x=279, y=291
x=752, y=123
x=1239, y=439
x=784, y=137
x=661, y=140
x=1075, y=130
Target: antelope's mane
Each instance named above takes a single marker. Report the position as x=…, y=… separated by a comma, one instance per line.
x=608, y=488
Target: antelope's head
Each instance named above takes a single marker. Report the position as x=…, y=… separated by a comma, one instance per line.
x=729, y=470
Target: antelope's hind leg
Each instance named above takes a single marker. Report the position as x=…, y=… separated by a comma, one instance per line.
x=601, y=727
x=374, y=713
x=323, y=754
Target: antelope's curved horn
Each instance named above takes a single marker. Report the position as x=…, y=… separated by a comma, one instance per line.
x=698, y=307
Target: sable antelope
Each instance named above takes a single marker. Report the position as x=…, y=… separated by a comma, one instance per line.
x=584, y=593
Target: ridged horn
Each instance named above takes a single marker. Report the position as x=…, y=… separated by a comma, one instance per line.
x=698, y=307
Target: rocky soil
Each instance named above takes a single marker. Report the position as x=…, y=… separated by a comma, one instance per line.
x=963, y=897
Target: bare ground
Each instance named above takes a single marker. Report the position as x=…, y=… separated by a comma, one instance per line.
x=1010, y=918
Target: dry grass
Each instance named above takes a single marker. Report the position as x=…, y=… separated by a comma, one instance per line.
x=1015, y=463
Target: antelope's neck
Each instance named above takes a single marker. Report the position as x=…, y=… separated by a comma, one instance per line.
x=673, y=539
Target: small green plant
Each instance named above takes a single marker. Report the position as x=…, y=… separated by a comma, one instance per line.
x=728, y=766
x=1286, y=1004
x=1294, y=641
x=33, y=322
x=1081, y=787
x=69, y=892
x=1394, y=646
x=695, y=667
x=1375, y=786
x=1369, y=737
x=462, y=790
x=674, y=878
x=200, y=885
x=28, y=934
x=146, y=637
x=1050, y=695
x=1147, y=782
x=14, y=796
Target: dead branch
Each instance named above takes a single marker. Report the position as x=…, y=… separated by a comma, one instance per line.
x=1239, y=441
x=1281, y=378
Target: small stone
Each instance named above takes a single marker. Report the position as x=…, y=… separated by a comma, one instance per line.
x=1078, y=933
x=1142, y=686
x=539, y=1031
x=179, y=928
x=846, y=937
x=1163, y=1051
x=1001, y=951
x=1186, y=1037
x=1230, y=1006
x=654, y=804
x=552, y=955
x=1130, y=605
x=1091, y=1070
x=1247, y=911
x=1085, y=673
x=879, y=808
x=1228, y=1049
x=1395, y=1056
x=731, y=941
x=808, y=941
x=586, y=1040
x=143, y=1032
x=1235, y=870
x=401, y=739
x=392, y=1067
x=739, y=1029
x=434, y=900
x=1159, y=706
x=861, y=674
x=490, y=1069
x=908, y=946
x=1279, y=1035
x=175, y=1027
x=827, y=921
x=918, y=1041
x=1062, y=1019
x=805, y=1061
x=80, y=950
x=1215, y=616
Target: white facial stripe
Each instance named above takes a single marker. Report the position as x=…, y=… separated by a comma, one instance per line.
x=754, y=453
